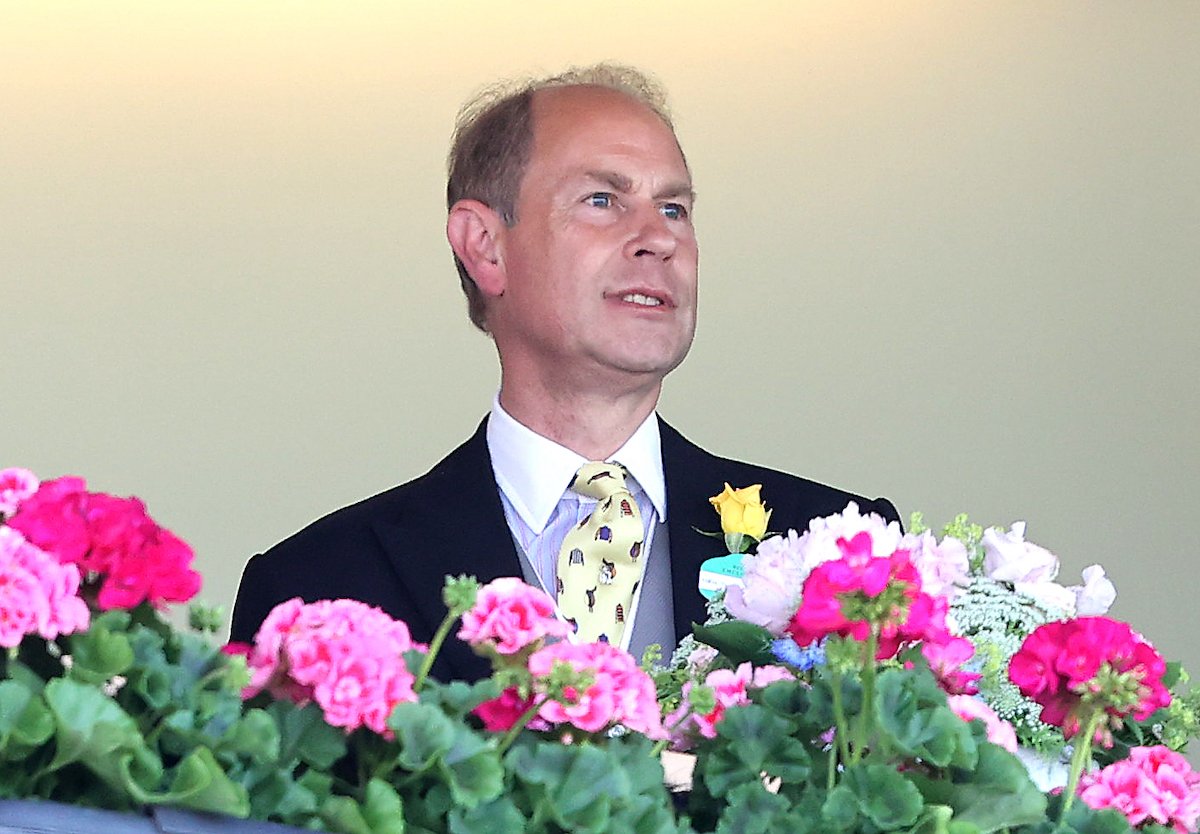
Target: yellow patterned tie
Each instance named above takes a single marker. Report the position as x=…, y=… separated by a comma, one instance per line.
x=600, y=562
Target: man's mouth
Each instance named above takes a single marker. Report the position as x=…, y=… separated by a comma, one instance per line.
x=642, y=300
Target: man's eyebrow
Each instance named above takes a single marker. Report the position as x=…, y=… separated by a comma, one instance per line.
x=623, y=185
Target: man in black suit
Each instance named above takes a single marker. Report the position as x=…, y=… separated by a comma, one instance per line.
x=570, y=220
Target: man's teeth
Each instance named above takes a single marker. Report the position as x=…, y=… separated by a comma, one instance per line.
x=645, y=300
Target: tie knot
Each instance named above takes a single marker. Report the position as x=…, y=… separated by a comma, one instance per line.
x=599, y=480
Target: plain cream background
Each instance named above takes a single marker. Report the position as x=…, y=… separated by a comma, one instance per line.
x=949, y=256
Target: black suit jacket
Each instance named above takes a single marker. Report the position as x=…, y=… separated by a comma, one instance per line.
x=395, y=549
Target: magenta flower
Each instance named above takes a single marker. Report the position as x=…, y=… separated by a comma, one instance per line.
x=1154, y=785
x=343, y=654
x=620, y=692
x=501, y=713
x=510, y=616
x=862, y=594
x=112, y=540
x=1076, y=667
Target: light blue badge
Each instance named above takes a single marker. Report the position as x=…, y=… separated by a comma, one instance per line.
x=718, y=573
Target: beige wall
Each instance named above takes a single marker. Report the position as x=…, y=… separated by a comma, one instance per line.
x=949, y=256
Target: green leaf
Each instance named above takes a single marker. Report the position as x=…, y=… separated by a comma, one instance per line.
x=997, y=793
x=885, y=797
x=256, y=734
x=424, y=734
x=757, y=742
x=199, y=783
x=575, y=786
x=98, y=654
x=912, y=716
x=383, y=809
x=754, y=810
x=92, y=729
x=305, y=736
x=738, y=640
x=499, y=816
x=343, y=814
x=24, y=718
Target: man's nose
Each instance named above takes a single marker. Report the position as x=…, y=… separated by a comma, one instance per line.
x=653, y=236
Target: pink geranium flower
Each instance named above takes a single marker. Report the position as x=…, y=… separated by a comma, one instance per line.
x=620, y=691
x=731, y=687
x=1154, y=785
x=16, y=485
x=113, y=541
x=345, y=655
x=37, y=594
x=510, y=616
x=1074, y=667
x=946, y=660
x=862, y=594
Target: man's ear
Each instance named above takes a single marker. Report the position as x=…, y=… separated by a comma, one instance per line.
x=474, y=231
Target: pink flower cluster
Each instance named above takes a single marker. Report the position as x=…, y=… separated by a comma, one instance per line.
x=511, y=619
x=16, y=485
x=620, y=691
x=731, y=688
x=1153, y=785
x=1070, y=665
x=109, y=538
x=38, y=595
x=863, y=593
x=510, y=616
x=343, y=654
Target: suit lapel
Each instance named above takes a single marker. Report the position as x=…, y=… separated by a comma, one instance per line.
x=690, y=473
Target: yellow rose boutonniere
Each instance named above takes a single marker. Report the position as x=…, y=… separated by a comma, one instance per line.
x=743, y=516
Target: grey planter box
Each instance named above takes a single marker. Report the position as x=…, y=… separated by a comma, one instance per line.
x=35, y=817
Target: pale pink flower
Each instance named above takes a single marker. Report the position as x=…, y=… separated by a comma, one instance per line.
x=1009, y=558
x=620, y=692
x=820, y=542
x=944, y=567
x=1154, y=785
x=767, y=675
x=16, y=485
x=509, y=616
x=771, y=582
x=343, y=654
x=1096, y=595
x=999, y=731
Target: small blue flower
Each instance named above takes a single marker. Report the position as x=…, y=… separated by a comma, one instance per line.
x=786, y=650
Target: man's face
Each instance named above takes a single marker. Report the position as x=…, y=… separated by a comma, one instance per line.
x=601, y=264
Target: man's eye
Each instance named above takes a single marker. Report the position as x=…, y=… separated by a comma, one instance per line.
x=600, y=199
x=674, y=211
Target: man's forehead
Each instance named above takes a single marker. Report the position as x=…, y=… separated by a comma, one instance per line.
x=560, y=112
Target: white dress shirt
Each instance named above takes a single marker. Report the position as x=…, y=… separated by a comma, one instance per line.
x=534, y=475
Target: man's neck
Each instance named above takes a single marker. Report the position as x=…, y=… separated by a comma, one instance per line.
x=591, y=425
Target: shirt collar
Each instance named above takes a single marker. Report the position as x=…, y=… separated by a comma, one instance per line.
x=533, y=471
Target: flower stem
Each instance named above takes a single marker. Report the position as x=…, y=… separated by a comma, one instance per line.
x=519, y=725
x=1080, y=756
x=435, y=645
x=866, y=718
x=841, y=733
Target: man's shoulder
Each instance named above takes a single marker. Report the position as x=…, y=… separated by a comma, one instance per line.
x=793, y=496
x=356, y=521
